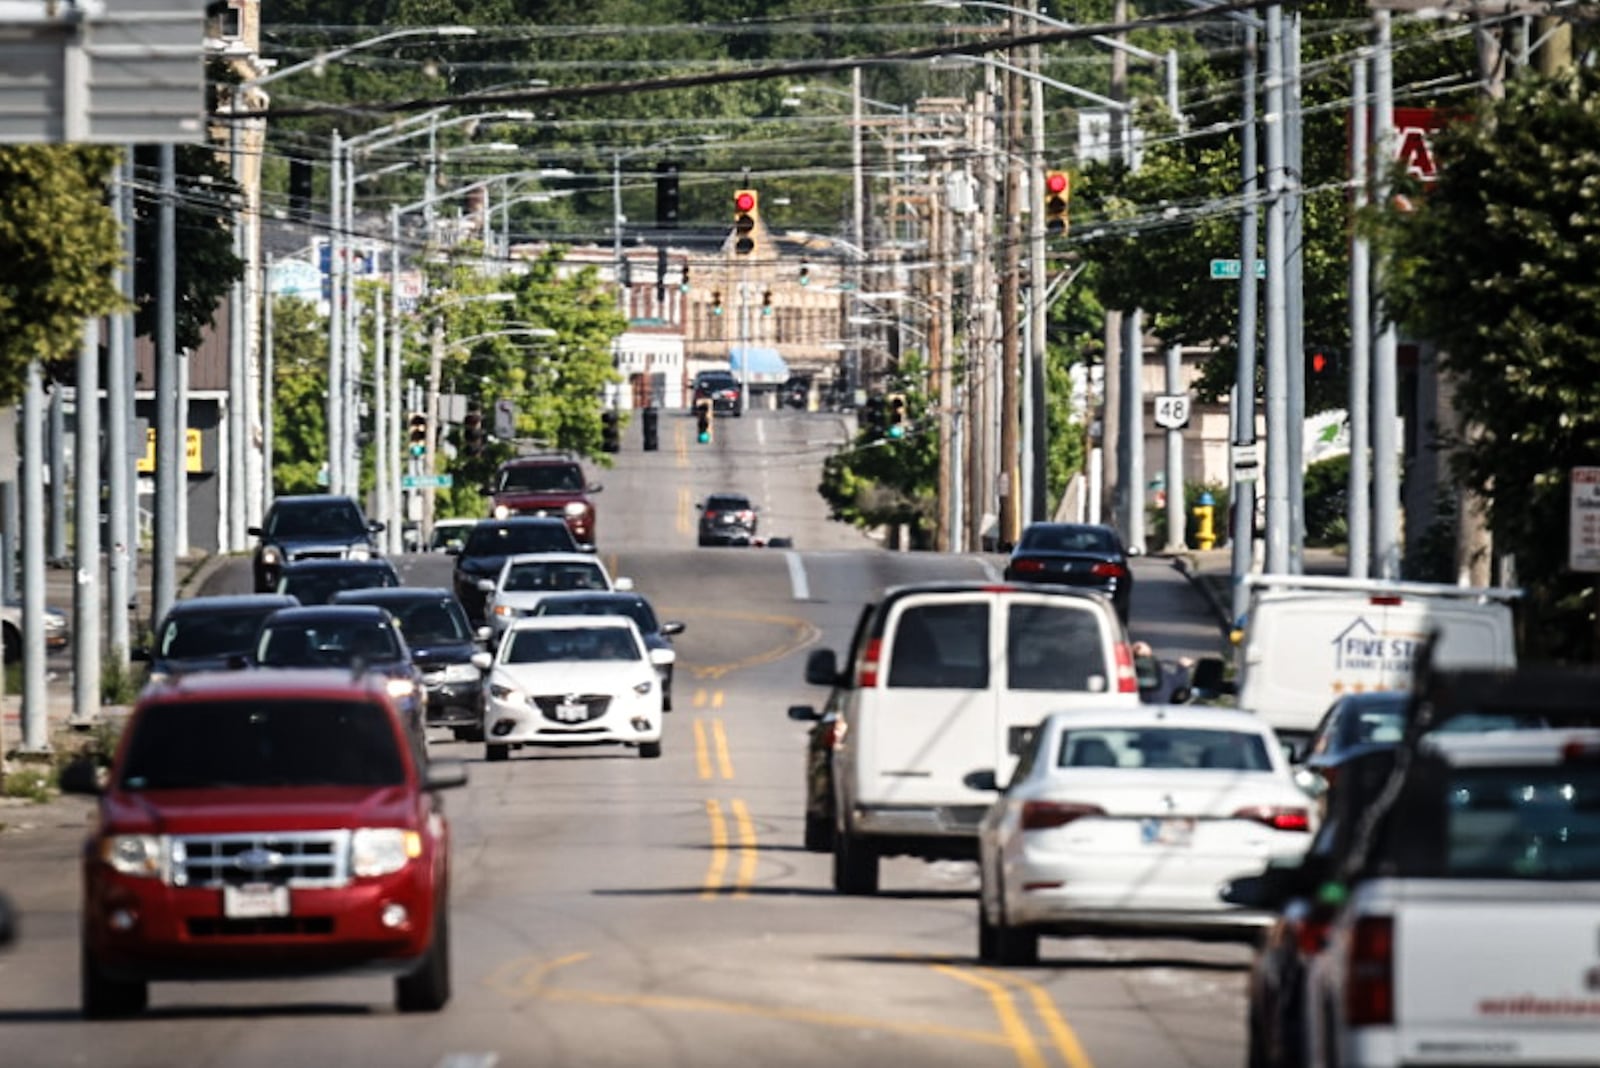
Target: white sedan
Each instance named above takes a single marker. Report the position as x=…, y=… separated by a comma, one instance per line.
x=572, y=680
x=1128, y=821
x=527, y=578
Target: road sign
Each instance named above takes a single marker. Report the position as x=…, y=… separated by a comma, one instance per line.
x=1229, y=270
x=426, y=481
x=505, y=419
x=1172, y=410
x=1583, y=546
x=1247, y=463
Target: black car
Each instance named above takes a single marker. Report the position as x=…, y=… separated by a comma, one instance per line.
x=727, y=519
x=310, y=527
x=492, y=540
x=796, y=393
x=442, y=643
x=209, y=633
x=617, y=603
x=1086, y=555
x=316, y=581
x=349, y=636
x=722, y=389
x=824, y=735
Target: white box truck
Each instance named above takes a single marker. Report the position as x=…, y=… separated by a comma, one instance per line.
x=1310, y=639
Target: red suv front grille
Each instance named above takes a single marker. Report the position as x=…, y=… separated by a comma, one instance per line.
x=216, y=927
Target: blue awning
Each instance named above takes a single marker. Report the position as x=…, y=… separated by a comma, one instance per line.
x=763, y=361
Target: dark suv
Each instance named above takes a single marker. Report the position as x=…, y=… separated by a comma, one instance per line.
x=311, y=527
x=546, y=486
x=727, y=519
x=722, y=389
x=491, y=541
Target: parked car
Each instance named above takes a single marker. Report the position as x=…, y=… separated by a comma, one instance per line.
x=57, y=630
x=310, y=527
x=316, y=581
x=442, y=643
x=722, y=389
x=208, y=633
x=572, y=680
x=347, y=636
x=546, y=486
x=491, y=542
x=257, y=824
x=527, y=578
x=657, y=634
x=1086, y=556
x=944, y=678
x=1125, y=821
x=727, y=519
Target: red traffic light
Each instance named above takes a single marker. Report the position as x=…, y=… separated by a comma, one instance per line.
x=1055, y=182
x=744, y=200
x=1319, y=363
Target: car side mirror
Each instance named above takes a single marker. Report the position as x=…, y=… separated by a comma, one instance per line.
x=822, y=668
x=669, y=629
x=254, y=532
x=139, y=653
x=623, y=583
x=484, y=634
x=587, y=547
x=804, y=713
x=982, y=779
x=662, y=657
x=375, y=526
x=486, y=585
x=444, y=775
x=81, y=776
x=483, y=661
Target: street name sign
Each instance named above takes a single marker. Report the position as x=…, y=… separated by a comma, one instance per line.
x=426, y=481
x=1228, y=270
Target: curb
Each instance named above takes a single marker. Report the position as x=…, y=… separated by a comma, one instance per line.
x=1184, y=564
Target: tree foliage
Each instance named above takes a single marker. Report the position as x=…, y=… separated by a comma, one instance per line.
x=879, y=481
x=61, y=243
x=1500, y=265
x=205, y=266
x=299, y=396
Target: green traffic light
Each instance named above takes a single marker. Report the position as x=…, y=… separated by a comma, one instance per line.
x=704, y=437
x=897, y=432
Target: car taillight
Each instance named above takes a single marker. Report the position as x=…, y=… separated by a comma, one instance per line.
x=1108, y=570
x=1311, y=934
x=1385, y=600
x=1279, y=819
x=867, y=674
x=711, y=515
x=1028, y=567
x=1127, y=678
x=1369, y=990
x=1043, y=815
x=747, y=515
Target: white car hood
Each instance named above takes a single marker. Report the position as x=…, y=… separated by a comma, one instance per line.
x=574, y=676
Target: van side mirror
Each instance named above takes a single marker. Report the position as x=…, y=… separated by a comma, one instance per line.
x=982, y=779
x=1209, y=679
x=804, y=713
x=822, y=668
x=671, y=628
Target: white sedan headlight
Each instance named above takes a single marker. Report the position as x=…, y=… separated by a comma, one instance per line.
x=382, y=850
x=460, y=673
x=502, y=692
x=575, y=509
x=142, y=855
x=642, y=688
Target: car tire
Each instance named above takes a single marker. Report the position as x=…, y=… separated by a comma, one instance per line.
x=819, y=833
x=496, y=753
x=1014, y=947
x=428, y=988
x=855, y=865
x=649, y=750
x=104, y=998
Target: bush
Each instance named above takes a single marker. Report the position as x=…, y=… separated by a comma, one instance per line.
x=1327, y=502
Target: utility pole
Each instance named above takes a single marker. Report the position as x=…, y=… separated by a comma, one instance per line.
x=238, y=414
x=169, y=447
x=1113, y=448
x=1360, y=485
x=86, y=602
x=35, y=698
x=335, y=406
x=939, y=375
x=1175, y=491
x=1038, y=305
x=1278, y=429
x=268, y=390
x=1385, y=447
x=1010, y=355
x=1242, y=529
x=120, y=512
x=56, y=413
x=1294, y=290
x=431, y=415
x=395, y=520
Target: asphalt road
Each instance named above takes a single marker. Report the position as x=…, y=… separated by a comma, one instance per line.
x=614, y=911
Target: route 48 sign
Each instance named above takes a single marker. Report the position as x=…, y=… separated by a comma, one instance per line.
x=1172, y=410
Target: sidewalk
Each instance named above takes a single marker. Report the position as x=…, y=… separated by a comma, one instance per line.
x=1211, y=573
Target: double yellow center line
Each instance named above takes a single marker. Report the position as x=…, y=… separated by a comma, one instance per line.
x=1029, y=1051
x=713, y=760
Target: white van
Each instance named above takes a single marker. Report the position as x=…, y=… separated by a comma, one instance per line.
x=944, y=680
x=1310, y=639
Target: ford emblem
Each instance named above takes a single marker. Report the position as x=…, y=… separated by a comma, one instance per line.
x=258, y=860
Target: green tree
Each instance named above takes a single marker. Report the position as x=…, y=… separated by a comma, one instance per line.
x=1498, y=264
x=61, y=245
x=206, y=265
x=299, y=396
x=880, y=481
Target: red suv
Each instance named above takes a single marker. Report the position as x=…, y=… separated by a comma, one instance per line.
x=546, y=485
x=260, y=824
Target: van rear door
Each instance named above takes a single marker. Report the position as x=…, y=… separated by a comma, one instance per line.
x=932, y=715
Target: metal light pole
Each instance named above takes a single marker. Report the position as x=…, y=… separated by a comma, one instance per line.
x=1360, y=485
x=1278, y=429
x=1242, y=529
x=1385, y=404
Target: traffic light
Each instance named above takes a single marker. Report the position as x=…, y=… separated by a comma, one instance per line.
x=702, y=418
x=661, y=275
x=472, y=437
x=874, y=416
x=766, y=302
x=683, y=279
x=1321, y=364
x=805, y=273
x=896, y=417
x=300, y=179
x=1057, y=193
x=610, y=432
x=419, y=433
x=666, y=195
x=716, y=302
x=746, y=210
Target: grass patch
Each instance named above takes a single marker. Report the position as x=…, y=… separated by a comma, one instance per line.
x=36, y=783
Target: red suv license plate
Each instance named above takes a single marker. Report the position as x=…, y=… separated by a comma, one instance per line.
x=255, y=901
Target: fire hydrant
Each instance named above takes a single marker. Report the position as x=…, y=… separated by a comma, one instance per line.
x=1206, y=534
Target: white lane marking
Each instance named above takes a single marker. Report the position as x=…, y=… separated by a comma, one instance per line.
x=761, y=431
x=797, y=577
x=468, y=1060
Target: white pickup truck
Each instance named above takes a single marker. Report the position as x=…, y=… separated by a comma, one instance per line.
x=1471, y=930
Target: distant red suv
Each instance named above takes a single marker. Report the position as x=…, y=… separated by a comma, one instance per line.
x=260, y=824
x=547, y=486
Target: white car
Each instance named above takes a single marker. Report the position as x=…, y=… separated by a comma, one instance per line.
x=572, y=680
x=1127, y=821
x=526, y=578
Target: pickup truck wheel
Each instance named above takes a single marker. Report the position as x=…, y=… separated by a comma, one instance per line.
x=819, y=834
x=104, y=998
x=649, y=750
x=428, y=988
x=855, y=865
x=494, y=753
